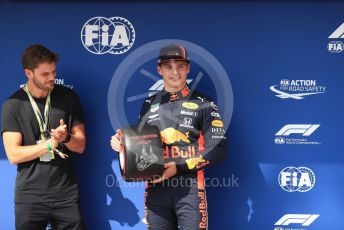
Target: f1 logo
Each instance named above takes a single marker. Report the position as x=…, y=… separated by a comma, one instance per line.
x=338, y=33
x=304, y=129
x=304, y=219
x=336, y=46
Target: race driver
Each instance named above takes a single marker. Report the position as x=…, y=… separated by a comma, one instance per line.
x=193, y=135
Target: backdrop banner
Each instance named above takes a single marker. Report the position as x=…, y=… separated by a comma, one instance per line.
x=275, y=70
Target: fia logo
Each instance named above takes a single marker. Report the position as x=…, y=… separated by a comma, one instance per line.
x=101, y=35
x=293, y=179
x=284, y=82
x=279, y=140
x=336, y=46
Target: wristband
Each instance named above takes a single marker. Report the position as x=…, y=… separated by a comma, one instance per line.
x=50, y=148
x=67, y=138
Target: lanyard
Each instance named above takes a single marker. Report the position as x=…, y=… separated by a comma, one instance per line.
x=43, y=123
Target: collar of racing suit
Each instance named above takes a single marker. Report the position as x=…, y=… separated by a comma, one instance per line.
x=177, y=95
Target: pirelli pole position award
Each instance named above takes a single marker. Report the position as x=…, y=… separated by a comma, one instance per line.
x=142, y=157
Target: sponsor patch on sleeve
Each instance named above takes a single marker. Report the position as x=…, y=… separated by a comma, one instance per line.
x=217, y=123
x=196, y=162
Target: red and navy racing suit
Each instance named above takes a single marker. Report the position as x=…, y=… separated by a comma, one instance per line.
x=194, y=137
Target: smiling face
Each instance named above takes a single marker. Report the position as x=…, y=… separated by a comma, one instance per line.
x=174, y=74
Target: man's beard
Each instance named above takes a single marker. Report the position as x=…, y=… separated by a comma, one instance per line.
x=41, y=86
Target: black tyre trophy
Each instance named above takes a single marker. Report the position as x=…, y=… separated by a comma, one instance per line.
x=143, y=157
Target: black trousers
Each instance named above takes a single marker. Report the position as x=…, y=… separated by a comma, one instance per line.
x=62, y=215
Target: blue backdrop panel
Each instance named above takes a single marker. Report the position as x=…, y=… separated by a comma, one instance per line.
x=275, y=70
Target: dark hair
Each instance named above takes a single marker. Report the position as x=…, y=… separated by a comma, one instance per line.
x=37, y=54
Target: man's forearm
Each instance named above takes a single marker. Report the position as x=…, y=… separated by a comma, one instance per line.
x=76, y=144
x=20, y=154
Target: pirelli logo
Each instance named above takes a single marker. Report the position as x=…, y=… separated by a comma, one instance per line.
x=190, y=105
x=217, y=123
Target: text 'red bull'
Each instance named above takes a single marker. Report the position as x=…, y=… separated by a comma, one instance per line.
x=176, y=152
x=202, y=210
